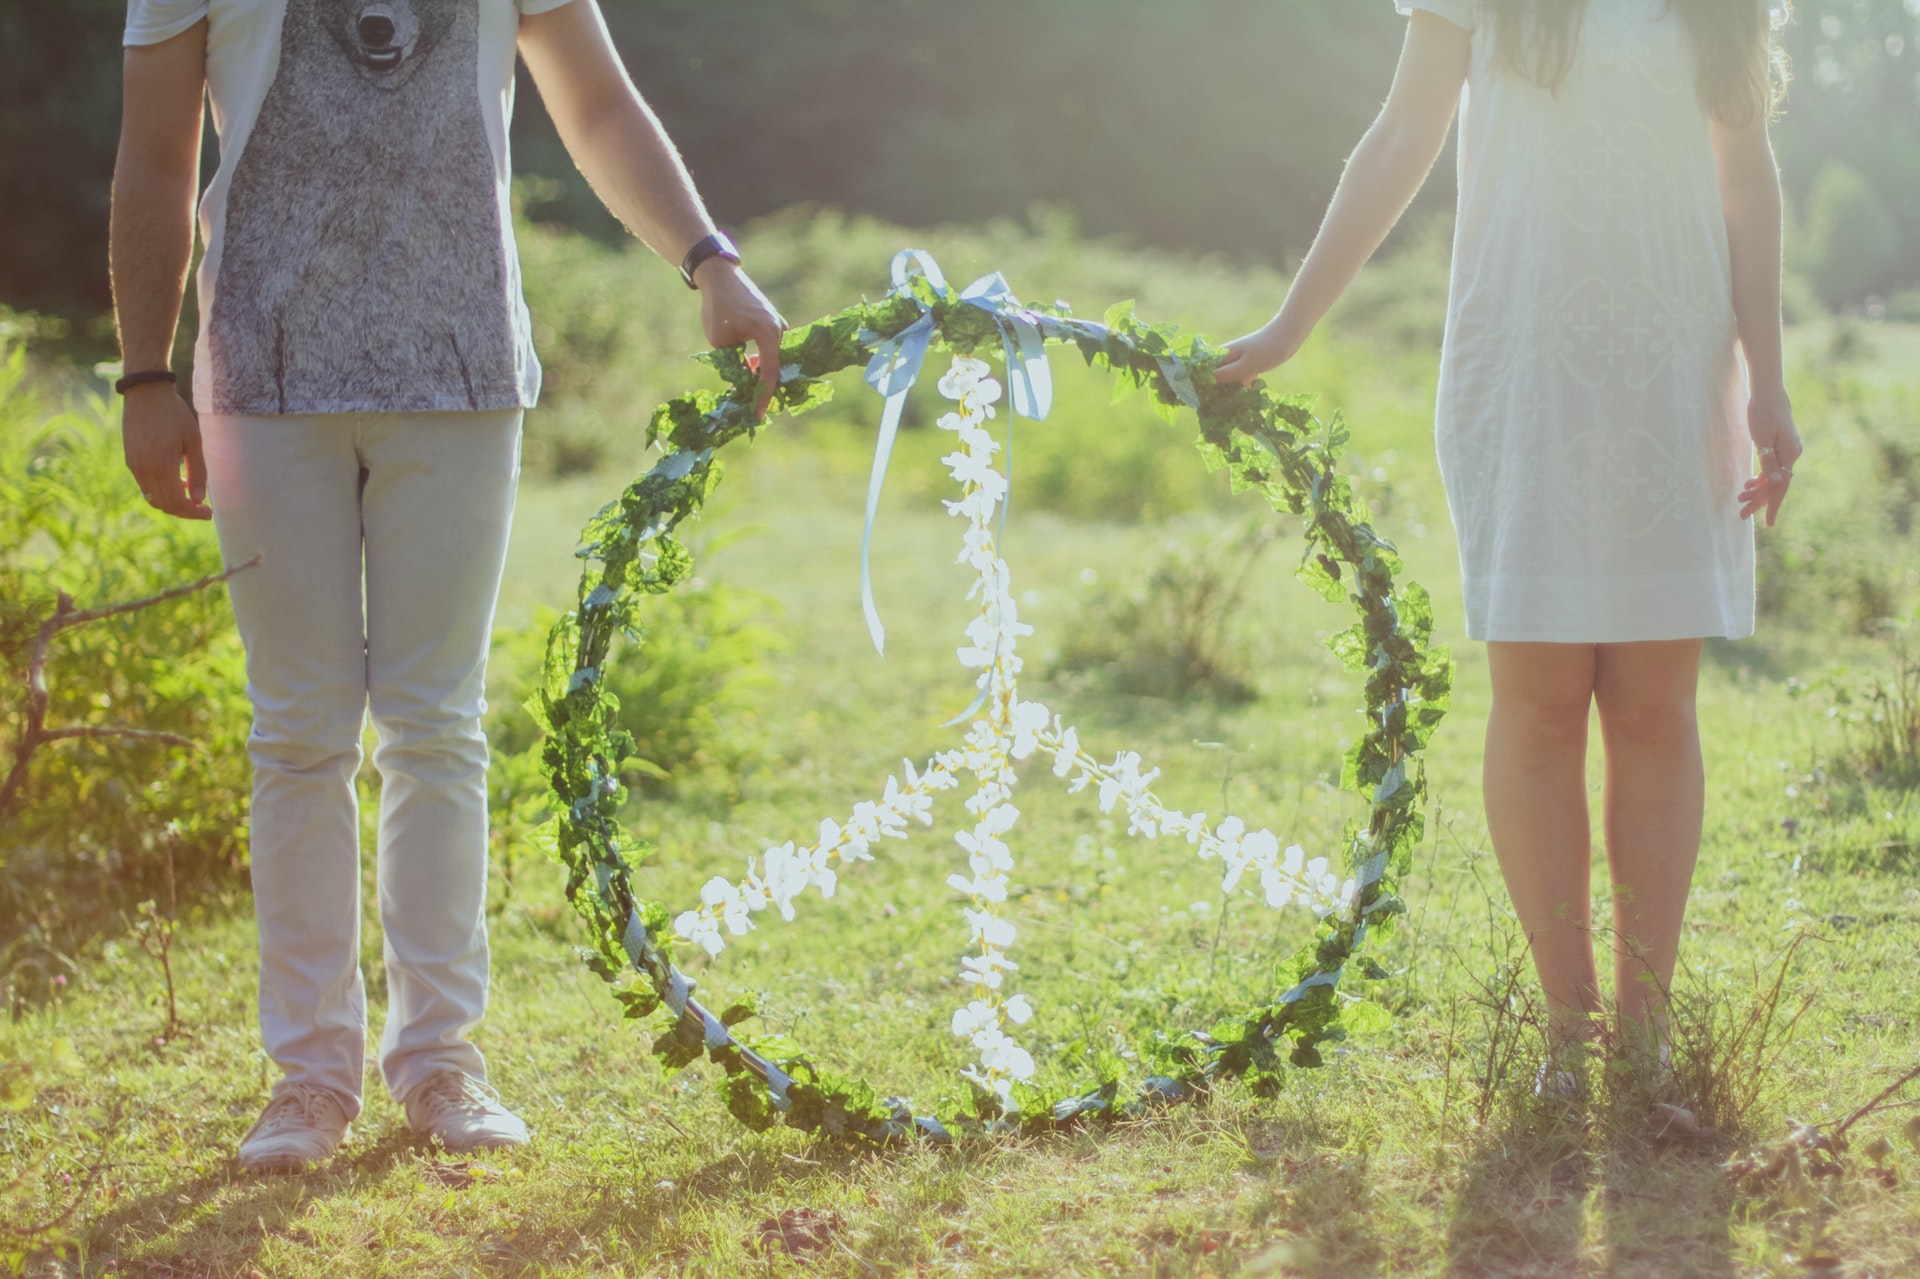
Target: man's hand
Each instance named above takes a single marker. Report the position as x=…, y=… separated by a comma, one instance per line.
x=617, y=141
x=734, y=311
x=155, y=177
x=161, y=436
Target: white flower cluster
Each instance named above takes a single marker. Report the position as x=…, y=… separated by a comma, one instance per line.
x=790, y=868
x=1284, y=877
x=1007, y=730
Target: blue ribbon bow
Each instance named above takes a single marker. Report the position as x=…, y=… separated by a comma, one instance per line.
x=896, y=365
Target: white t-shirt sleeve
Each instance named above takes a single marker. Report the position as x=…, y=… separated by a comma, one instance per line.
x=540, y=6
x=1458, y=12
x=151, y=21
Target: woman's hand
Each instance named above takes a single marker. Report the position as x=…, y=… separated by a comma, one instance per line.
x=1256, y=353
x=1770, y=422
x=1382, y=175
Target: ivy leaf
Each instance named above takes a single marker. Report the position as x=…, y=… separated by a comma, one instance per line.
x=1391, y=785
x=1319, y=573
x=637, y=997
x=730, y=362
x=1266, y=1083
x=684, y=1043
x=747, y=1101
x=803, y=394
x=1365, y=1018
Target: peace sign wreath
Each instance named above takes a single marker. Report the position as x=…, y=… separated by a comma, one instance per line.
x=1272, y=445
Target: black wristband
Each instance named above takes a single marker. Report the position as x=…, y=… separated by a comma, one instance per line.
x=132, y=380
x=716, y=245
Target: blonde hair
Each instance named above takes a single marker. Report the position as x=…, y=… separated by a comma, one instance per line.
x=1741, y=71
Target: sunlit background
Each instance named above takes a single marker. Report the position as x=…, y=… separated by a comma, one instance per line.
x=1211, y=125
x=1175, y=152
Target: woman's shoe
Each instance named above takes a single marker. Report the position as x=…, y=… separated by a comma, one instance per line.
x=1671, y=1112
x=1673, y=1122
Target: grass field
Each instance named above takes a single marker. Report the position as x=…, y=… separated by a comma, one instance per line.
x=1416, y=1151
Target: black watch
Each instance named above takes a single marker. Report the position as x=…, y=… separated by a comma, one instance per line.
x=716, y=245
x=144, y=378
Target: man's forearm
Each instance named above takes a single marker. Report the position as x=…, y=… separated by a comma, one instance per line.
x=152, y=247
x=635, y=170
x=610, y=131
x=154, y=179
x=618, y=143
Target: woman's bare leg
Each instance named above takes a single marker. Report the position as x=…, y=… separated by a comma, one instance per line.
x=1536, y=798
x=1656, y=794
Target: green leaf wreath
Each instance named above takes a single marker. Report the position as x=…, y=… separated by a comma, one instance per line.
x=1269, y=444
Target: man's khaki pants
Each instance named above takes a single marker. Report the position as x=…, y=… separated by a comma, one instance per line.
x=384, y=536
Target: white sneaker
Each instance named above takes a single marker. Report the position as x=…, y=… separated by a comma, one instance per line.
x=300, y=1126
x=463, y=1113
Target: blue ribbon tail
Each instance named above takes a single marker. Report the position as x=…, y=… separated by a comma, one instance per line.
x=1030, y=387
x=1006, y=504
x=882, y=453
x=894, y=369
x=974, y=706
x=1029, y=376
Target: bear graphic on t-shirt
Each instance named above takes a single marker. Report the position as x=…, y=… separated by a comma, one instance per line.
x=363, y=261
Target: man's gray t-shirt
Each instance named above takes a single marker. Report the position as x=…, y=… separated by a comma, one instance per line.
x=359, y=244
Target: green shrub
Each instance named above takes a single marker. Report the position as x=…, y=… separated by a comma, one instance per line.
x=1842, y=552
x=1169, y=632
x=1850, y=242
x=685, y=694
x=1881, y=711
x=85, y=839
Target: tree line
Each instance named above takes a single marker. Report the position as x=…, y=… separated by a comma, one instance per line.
x=1205, y=125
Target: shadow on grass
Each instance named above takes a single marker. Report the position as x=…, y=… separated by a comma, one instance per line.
x=934, y=1217
x=1522, y=1204
x=668, y=1221
x=1542, y=1198
x=1314, y=1215
x=232, y=1214
x=1667, y=1209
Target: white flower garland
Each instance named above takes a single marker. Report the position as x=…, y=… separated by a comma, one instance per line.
x=1009, y=730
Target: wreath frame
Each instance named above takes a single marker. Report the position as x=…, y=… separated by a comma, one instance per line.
x=1273, y=445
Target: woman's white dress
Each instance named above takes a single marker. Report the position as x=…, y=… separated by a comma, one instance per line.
x=1591, y=421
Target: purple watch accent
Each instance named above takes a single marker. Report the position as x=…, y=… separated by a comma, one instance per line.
x=717, y=245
